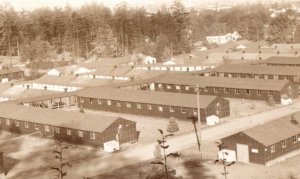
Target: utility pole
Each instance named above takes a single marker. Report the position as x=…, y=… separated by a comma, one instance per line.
x=199, y=120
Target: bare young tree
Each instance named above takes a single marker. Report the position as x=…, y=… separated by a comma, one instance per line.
x=59, y=155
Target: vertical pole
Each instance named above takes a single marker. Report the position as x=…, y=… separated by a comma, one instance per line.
x=198, y=113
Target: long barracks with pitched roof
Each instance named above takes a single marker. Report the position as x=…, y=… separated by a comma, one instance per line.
x=253, y=89
x=157, y=104
x=76, y=128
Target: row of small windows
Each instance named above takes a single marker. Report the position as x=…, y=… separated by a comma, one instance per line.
x=226, y=90
x=283, y=143
x=138, y=105
x=47, y=128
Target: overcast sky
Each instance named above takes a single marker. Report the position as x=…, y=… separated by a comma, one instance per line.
x=32, y=4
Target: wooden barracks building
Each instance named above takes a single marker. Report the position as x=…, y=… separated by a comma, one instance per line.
x=156, y=104
x=76, y=128
x=9, y=74
x=253, y=89
x=253, y=71
x=266, y=144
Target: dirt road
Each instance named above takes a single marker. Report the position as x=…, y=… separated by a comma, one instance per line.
x=113, y=161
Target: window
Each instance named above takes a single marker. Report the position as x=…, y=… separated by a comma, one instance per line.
x=26, y=125
x=177, y=87
x=206, y=89
x=17, y=123
x=160, y=108
x=187, y=88
x=229, y=75
x=7, y=122
x=91, y=101
x=276, y=77
x=47, y=128
x=247, y=91
x=273, y=148
x=118, y=104
x=57, y=130
x=69, y=132
x=168, y=86
x=81, y=100
x=183, y=110
x=226, y=90
x=80, y=134
x=36, y=127
x=283, y=144
x=99, y=101
x=295, y=140
x=171, y=108
x=138, y=105
x=215, y=90
x=159, y=86
x=109, y=102
x=93, y=135
x=128, y=105
x=270, y=93
x=237, y=91
x=258, y=92
x=149, y=106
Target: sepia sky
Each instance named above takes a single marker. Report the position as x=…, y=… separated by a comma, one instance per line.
x=33, y=4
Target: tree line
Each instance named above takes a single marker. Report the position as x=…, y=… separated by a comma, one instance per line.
x=95, y=30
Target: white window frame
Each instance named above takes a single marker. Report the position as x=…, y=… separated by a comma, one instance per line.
x=160, y=108
x=226, y=90
x=128, y=105
x=93, y=135
x=283, y=143
x=36, y=126
x=183, y=109
x=47, y=128
x=187, y=88
x=138, y=105
x=7, y=122
x=57, y=130
x=149, y=106
x=216, y=90
x=273, y=148
x=26, y=124
x=69, y=131
x=99, y=101
x=295, y=139
x=171, y=108
x=80, y=133
x=237, y=91
x=17, y=123
x=206, y=89
x=177, y=87
x=108, y=102
x=169, y=87
x=258, y=92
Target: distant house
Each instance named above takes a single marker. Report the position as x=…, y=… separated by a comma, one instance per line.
x=155, y=104
x=68, y=70
x=75, y=128
x=222, y=39
x=266, y=144
x=280, y=61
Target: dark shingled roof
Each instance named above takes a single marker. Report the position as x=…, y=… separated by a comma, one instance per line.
x=60, y=118
x=160, y=98
x=275, y=131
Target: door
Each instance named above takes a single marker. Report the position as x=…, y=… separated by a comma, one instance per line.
x=242, y=153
